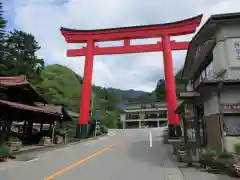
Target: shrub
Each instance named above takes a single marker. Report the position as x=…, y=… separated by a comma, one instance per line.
x=237, y=148
x=208, y=157
x=5, y=150
x=226, y=155
x=98, y=134
x=208, y=153
x=103, y=129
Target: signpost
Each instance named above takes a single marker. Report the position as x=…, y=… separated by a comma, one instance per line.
x=97, y=128
x=97, y=116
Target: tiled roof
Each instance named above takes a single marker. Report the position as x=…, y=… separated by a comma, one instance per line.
x=50, y=107
x=21, y=81
x=30, y=108
x=13, y=81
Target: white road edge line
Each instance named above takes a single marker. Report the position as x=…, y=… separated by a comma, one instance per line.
x=150, y=139
x=32, y=160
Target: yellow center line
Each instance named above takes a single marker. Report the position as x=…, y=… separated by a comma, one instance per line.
x=67, y=168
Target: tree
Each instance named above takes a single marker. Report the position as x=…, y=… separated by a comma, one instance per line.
x=180, y=83
x=21, y=57
x=3, y=23
x=112, y=100
x=79, y=78
x=160, y=90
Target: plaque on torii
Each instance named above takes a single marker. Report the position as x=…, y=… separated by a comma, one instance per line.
x=126, y=34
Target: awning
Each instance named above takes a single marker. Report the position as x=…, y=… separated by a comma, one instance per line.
x=188, y=95
x=207, y=86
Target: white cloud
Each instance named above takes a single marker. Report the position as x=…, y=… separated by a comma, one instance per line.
x=139, y=71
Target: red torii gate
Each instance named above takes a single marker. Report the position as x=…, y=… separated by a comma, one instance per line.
x=127, y=34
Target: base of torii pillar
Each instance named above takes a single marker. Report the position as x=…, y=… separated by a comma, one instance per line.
x=81, y=131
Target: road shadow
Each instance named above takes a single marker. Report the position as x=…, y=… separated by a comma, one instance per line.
x=156, y=155
x=159, y=155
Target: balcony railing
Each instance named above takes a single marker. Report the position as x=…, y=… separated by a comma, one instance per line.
x=132, y=117
x=145, y=109
x=147, y=119
x=155, y=116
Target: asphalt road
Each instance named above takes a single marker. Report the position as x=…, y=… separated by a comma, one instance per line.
x=123, y=155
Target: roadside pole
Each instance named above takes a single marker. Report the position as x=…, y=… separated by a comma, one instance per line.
x=150, y=139
x=97, y=128
x=92, y=102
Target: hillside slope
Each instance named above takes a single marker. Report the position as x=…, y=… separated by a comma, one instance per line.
x=60, y=86
x=128, y=94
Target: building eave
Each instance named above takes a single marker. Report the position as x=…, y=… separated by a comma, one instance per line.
x=206, y=33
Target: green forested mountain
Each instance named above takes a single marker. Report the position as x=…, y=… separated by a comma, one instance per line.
x=60, y=85
x=127, y=94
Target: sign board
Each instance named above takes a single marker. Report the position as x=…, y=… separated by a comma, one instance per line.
x=97, y=115
x=236, y=45
x=231, y=107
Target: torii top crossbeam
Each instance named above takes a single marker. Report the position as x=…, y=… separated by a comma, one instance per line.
x=183, y=27
x=178, y=28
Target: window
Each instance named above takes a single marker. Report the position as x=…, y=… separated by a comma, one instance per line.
x=155, y=115
x=203, y=75
x=153, y=106
x=151, y=115
x=210, y=71
x=232, y=125
x=189, y=86
x=191, y=131
x=163, y=114
x=132, y=116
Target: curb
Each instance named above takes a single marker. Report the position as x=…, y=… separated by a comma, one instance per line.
x=57, y=146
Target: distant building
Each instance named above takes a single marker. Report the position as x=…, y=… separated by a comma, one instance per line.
x=144, y=114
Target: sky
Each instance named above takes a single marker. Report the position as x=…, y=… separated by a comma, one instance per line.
x=43, y=19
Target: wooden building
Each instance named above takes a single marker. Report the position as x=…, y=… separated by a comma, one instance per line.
x=22, y=106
